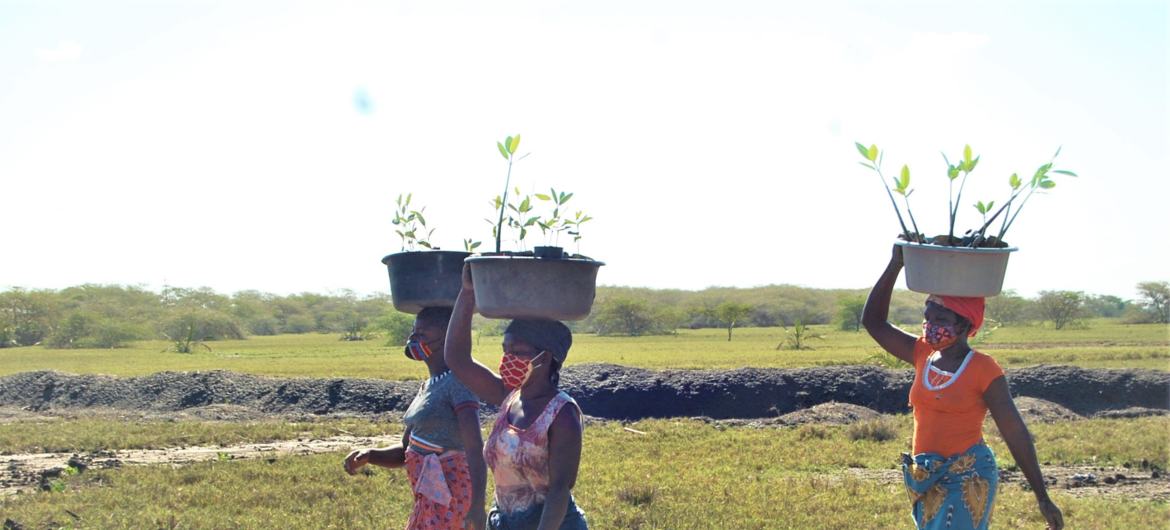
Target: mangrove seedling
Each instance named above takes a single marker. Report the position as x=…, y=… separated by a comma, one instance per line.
x=507, y=149
x=1021, y=192
x=412, y=226
x=553, y=224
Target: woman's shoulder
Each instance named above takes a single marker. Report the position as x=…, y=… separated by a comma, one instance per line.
x=985, y=364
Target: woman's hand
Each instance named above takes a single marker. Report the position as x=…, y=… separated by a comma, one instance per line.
x=467, y=284
x=356, y=460
x=476, y=519
x=1051, y=514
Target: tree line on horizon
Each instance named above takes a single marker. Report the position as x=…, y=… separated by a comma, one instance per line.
x=111, y=316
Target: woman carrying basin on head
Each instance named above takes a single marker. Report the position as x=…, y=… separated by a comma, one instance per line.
x=952, y=476
x=442, y=446
x=534, y=448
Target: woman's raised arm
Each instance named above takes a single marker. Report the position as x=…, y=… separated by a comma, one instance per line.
x=457, y=349
x=876, y=316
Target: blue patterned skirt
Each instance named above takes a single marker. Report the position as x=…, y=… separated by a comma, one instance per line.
x=953, y=493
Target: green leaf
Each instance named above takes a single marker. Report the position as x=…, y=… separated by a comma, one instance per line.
x=508, y=145
x=971, y=166
x=523, y=233
x=475, y=245
x=543, y=197
x=565, y=197
x=867, y=165
x=503, y=151
x=905, y=182
x=525, y=205
x=967, y=154
x=1015, y=181
x=953, y=172
x=872, y=153
x=1065, y=172
x=1047, y=184
x=1057, y=151
x=514, y=143
x=861, y=149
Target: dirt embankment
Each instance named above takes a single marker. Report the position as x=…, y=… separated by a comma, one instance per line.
x=604, y=391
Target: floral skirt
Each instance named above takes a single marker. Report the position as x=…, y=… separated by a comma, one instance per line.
x=429, y=473
x=956, y=492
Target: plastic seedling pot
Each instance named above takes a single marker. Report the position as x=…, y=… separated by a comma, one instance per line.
x=430, y=278
x=528, y=287
x=955, y=271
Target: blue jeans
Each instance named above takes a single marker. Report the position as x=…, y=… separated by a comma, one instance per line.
x=530, y=519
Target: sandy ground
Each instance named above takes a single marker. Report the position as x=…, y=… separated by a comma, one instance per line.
x=29, y=471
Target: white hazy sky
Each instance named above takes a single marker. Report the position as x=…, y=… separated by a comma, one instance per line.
x=219, y=144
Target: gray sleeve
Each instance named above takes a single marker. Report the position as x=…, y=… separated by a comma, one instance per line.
x=459, y=395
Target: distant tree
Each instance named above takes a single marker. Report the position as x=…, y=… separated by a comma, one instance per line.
x=71, y=331
x=1106, y=306
x=628, y=316
x=108, y=333
x=1156, y=300
x=188, y=328
x=27, y=317
x=849, y=311
x=1010, y=309
x=395, y=326
x=731, y=313
x=1061, y=307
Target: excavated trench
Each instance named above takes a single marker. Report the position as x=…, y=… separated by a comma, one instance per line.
x=603, y=391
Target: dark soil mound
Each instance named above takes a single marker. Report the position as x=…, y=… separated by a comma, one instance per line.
x=1035, y=410
x=611, y=391
x=186, y=390
x=605, y=391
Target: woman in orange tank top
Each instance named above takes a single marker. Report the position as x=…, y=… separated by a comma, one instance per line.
x=951, y=477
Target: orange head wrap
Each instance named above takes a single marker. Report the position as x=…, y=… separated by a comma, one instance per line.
x=968, y=307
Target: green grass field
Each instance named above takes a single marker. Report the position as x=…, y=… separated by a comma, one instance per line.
x=803, y=477
x=1102, y=344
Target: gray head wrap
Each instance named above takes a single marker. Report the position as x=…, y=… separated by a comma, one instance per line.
x=548, y=335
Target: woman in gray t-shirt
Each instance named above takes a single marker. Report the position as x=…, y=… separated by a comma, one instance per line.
x=442, y=446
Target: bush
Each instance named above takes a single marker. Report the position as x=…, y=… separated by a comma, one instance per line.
x=71, y=332
x=113, y=334
x=190, y=327
x=849, y=311
x=1063, y=308
x=626, y=316
x=1011, y=310
x=396, y=326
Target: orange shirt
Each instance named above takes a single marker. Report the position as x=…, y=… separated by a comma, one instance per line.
x=948, y=417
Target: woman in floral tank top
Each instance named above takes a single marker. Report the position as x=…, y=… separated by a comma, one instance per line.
x=534, y=448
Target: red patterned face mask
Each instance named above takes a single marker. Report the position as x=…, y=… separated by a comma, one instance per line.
x=938, y=337
x=514, y=370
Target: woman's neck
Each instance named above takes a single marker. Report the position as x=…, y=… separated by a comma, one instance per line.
x=536, y=390
x=436, y=364
x=955, y=351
